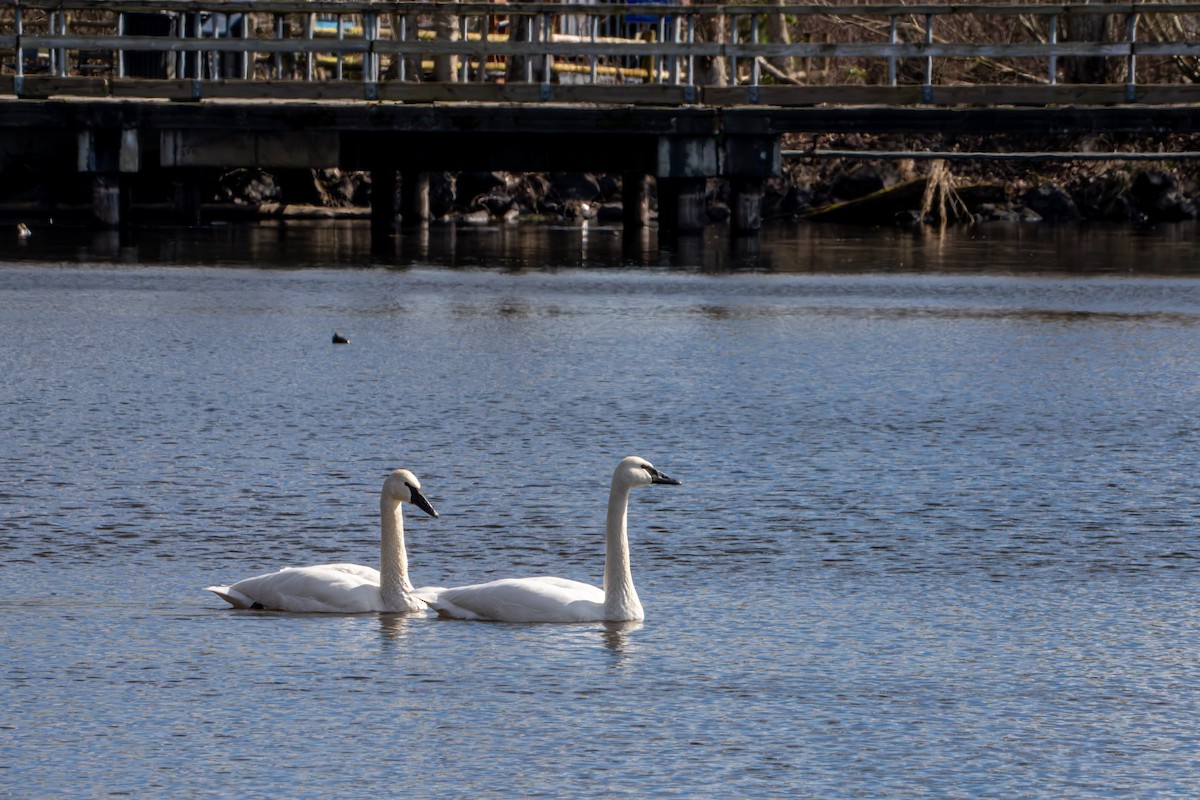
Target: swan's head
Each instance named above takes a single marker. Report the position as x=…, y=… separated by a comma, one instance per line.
x=403, y=487
x=635, y=471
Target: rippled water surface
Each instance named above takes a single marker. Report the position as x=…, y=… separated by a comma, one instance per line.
x=936, y=535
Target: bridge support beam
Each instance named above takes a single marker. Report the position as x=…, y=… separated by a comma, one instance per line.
x=681, y=206
x=746, y=205
x=383, y=204
x=685, y=163
x=749, y=160
x=635, y=201
x=110, y=201
x=414, y=197
x=107, y=155
x=187, y=200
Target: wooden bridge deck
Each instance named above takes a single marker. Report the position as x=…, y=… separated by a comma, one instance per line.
x=683, y=93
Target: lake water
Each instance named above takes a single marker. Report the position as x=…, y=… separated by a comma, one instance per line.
x=936, y=538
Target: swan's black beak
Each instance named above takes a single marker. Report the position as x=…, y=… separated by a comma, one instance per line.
x=658, y=477
x=420, y=502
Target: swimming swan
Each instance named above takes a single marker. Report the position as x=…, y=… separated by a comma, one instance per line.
x=345, y=588
x=547, y=599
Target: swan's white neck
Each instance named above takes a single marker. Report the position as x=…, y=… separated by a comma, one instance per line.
x=394, y=585
x=620, y=598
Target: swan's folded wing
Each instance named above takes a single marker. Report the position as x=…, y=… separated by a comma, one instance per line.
x=542, y=599
x=428, y=593
x=332, y=588
x=368, y=574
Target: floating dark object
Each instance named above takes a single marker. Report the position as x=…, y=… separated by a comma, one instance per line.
x=339, y=339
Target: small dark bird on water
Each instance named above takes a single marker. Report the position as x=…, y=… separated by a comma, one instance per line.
x=339, y=339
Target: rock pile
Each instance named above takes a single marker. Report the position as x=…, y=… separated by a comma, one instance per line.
x=864, y=191
x=1142, y=196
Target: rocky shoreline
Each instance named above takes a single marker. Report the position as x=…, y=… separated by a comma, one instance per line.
x=1026, y=189
x=869, y=192
x=848, y=190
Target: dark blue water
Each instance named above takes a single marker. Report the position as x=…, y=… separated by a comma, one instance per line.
x=937, y=533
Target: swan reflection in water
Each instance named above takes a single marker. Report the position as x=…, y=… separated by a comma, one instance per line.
x=615, y=635
x=394, y=628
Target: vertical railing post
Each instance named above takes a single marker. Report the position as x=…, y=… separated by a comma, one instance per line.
x=178, y=57
x=1131, y=79
x=278, y=54
x=547, y=58
x=370, y=56
x=527, y=66
x=179, y=20
x=927, y=88
x=733, y=40
x=593, y=33
x=197, y=56
x=184, y=62
x=464, y=71
x=485, y=30
x=51, y=27
x=19, y=26
x=676, y=33
x=209, y=60
x=120, y=50
x=892, y=56
x=310, y=57
x=341, y=36
x=247, y=64
x=212, y=59
x=660, y=59
x=401, y=57
x=755, y=69
x=52, y=30
x=1052, y=78
x=691, y=59
x=62, y=51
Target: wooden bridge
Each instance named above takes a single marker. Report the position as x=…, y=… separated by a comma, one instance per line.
x=683, y=93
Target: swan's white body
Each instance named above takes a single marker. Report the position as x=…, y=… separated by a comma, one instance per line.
x=548, y=599
x=346, y=588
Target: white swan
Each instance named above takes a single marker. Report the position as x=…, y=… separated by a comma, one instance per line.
x=547, y=599
x=345, y=588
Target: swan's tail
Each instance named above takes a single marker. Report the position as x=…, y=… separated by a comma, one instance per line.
x=447, y=610
x=231, y=596
x=432, y=597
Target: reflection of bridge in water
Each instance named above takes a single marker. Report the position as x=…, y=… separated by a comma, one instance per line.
x=682, y=94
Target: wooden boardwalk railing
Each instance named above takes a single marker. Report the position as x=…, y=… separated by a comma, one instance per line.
x=681, y=93
x=661, y=54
